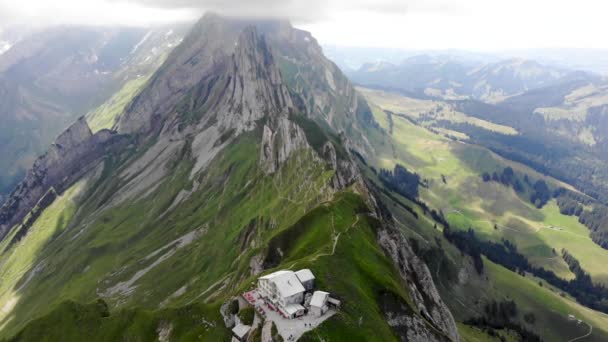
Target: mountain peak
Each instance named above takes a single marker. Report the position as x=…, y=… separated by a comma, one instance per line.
x=223, y=66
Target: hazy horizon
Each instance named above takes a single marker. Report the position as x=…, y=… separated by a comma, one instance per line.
x=473, y=25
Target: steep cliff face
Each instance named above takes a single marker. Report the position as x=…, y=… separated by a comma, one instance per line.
x=209, y=90
x=72, y=154
x=50, y=78
x=421, y=287
x=325, y=93
x=222, y=87
x=346, y=170
x=280, y=139
x=224, y=71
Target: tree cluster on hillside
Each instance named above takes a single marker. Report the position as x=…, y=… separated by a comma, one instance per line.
x=436, y=259
x=501, y=311
x=575, y=267
x=540, y=193
x=568, y=206
x=506, y=177
x=596, y=220
x=559, y=158
x=507, y=255
x=401, y=181
x=575, y=196
x=502, y=315
x=462, y=241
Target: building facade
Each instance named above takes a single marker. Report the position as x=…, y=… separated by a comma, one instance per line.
x=284, y=291
x=306, y=278
x=318, y=303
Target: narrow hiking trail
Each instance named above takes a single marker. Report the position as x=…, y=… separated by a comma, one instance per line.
x=583, y=336
x=336, y=238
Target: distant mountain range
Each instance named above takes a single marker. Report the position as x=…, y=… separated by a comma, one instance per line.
x=452, y=77
x=590, y=60
x=556, y=106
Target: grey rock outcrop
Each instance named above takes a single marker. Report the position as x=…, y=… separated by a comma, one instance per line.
x=279, y=143
x=412, y=328
x=419, y=280
x=73, y=153
x=258, y=89
x=203, y=52
x=223, y=74
x=346, y=170
x=219, y=83
x=326, y=93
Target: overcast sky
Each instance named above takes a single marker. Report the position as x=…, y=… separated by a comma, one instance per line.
x=482, y=25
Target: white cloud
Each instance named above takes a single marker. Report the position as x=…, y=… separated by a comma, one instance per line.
x=465, y=24
x=475, y=24
x=87, y=12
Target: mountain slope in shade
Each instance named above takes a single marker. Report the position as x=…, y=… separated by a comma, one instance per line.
x=221, y=168
x=512, y=76
x=50, y=78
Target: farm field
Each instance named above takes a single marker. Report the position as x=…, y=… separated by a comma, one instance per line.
x=428, y=111
x=467, y=292
x=453, y=170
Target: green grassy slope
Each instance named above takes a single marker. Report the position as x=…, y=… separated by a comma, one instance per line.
x=105, y=116
x=466, y=292
x=24, y=255
x=550, y=308
x=467, y=201
x=336, y=240
x=147, y=254
x=82, y=263
x=429, y=111
x=71, y=321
